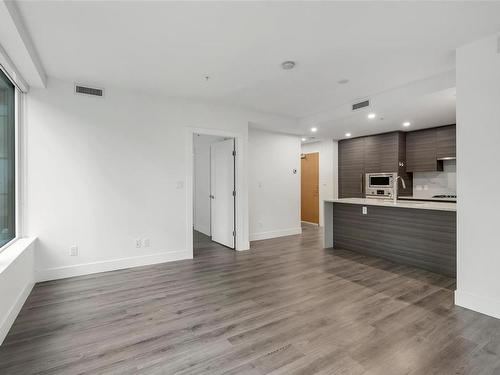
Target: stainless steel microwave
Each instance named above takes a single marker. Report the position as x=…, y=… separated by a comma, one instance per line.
x=380, y=185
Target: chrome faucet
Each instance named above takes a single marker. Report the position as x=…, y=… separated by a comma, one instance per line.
x=395, y=192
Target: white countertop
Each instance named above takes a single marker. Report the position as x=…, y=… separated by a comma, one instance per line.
x=422, y=205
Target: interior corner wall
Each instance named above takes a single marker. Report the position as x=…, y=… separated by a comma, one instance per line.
x=478, y=140
x=328, y=170
x=201, y=181
x=104, y=172
x=274, y=188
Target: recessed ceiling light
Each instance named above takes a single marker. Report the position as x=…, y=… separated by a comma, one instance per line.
x=342, y=81
x=347, y=134
x=288, y=65
x=314, y=129
x=303, y=139
x=406, y=124
x=371, y=115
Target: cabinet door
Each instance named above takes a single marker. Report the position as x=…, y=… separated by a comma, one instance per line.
x=381, y=153
x=351, y=168
x=446, y=142
x=421, y=151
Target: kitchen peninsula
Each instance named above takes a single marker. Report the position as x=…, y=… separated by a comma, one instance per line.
x=420, y=234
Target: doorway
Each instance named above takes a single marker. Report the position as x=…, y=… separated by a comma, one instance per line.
x=213, y=192
x=309, y=201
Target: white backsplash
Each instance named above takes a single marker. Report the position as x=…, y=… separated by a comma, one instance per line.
x=428, y=184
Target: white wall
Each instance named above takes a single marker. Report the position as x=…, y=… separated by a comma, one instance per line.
x=328, y=170
x=17, y=277
x=428, y=184
x=274, y=190
x=103, y=172
x=478, y=145
x=201, y=181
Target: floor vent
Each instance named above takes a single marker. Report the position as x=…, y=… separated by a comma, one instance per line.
x=85, y=90
x=359, y=105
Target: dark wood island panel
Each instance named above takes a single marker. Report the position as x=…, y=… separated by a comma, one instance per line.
x=416, y=237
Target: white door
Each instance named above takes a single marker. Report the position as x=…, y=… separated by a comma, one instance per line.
x=221, y=192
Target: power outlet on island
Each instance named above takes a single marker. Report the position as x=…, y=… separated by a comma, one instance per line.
x=365, y=210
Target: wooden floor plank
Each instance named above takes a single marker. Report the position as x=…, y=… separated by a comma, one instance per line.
x=287, y=306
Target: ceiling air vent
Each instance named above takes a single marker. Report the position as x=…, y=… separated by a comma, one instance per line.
x=85, y=90
x=359, y=105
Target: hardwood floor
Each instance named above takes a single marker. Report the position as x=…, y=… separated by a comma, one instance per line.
x=287, y=306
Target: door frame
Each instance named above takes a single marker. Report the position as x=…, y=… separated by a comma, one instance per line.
x=241, y=200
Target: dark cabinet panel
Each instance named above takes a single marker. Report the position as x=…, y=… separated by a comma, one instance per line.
x=351, y=168
x=381, y=153
x=420, y=238
x=446, y=142
x=421, y=151
x=407, y=177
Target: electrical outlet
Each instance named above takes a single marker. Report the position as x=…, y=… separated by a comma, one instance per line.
x=73, y=251
x=365, y=210
x=146, y=242
x=138, y=243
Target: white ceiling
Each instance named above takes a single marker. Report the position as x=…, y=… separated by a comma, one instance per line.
x=169, y=47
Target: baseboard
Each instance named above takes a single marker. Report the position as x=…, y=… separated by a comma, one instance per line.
x=308, y=222
x=110, y=265
x=14, y=311
x=477, y=303
x=275, y=233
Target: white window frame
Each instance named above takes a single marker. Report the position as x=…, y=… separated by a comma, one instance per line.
x=18, y=107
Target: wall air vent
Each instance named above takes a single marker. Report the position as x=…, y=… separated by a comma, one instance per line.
x=359, y=105
x=85, y=90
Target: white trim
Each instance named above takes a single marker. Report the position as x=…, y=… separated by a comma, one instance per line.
x=275, y=233
x=308, y=222
x=18, y=108
x=477, y=303
x=109, y=265
x=241, y=211
x=14, y=311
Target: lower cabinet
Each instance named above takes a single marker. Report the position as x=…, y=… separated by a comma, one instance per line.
x=416, y=237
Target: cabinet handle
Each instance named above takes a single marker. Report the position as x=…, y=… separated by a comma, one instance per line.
x=361, y=185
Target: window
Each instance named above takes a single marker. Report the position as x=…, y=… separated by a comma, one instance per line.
x=7, y=160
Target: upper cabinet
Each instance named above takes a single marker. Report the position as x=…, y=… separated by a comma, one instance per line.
x=351, y=168
x=446, y=142
x=381, y=153
x=425, y=147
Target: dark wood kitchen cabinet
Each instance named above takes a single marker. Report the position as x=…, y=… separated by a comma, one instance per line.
x=425, y=147
x=381, y=153
x=351, y=168
x=421, y=151
x=446, y=142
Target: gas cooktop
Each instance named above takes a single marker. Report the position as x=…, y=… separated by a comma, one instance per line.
x=450, y=196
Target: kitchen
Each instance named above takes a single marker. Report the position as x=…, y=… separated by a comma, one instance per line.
x=397, y=198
